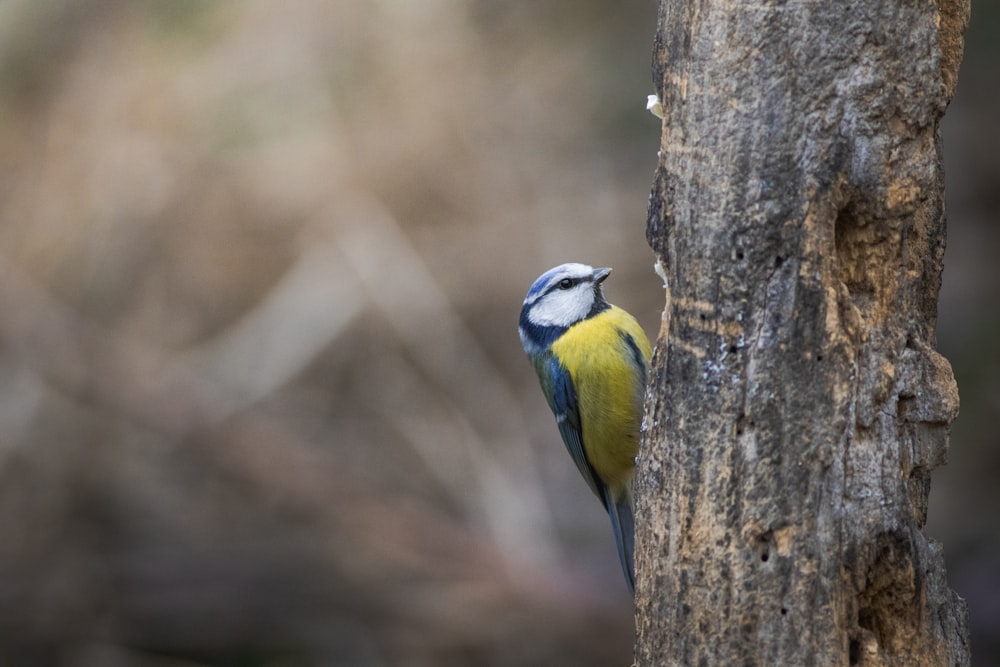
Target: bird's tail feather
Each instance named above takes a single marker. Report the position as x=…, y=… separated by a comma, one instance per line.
x=623, y=525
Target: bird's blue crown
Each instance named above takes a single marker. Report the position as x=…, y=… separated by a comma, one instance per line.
x=544, y=283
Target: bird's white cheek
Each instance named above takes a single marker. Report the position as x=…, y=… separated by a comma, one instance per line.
x=561, y=312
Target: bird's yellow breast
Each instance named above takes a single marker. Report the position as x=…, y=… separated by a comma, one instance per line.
x=610, y=388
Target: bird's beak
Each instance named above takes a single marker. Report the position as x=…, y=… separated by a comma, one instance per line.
x=601, y=274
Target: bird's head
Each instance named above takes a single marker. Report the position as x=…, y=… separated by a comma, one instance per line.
x=560, y=298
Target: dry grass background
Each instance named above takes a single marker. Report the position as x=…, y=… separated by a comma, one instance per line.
x=262, y=400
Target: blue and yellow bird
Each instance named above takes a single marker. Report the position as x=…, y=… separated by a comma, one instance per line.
x=592, y=359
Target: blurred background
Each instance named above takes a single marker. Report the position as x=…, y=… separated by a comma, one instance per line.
x=262, y=400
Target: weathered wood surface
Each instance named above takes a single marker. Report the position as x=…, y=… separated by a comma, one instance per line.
x=798, y=404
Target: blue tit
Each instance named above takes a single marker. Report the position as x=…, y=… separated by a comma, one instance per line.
x=592, y=359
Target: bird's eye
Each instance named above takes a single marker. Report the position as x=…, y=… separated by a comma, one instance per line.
x=565, y=283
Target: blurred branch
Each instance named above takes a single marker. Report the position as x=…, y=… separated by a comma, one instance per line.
x=276, y=339
x=400, y=285
x=184, y=396
x=84, y=359
x=285, y=331
x=182, y=393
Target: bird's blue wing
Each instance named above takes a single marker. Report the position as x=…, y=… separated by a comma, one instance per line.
x=557, y=385
x=564, y=405
x=563, y=400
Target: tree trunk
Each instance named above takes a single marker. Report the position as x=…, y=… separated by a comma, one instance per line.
x=797, y=404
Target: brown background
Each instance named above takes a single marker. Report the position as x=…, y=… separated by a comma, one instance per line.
x=262, y=400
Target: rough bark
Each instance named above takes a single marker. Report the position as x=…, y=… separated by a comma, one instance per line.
x=797, y=404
